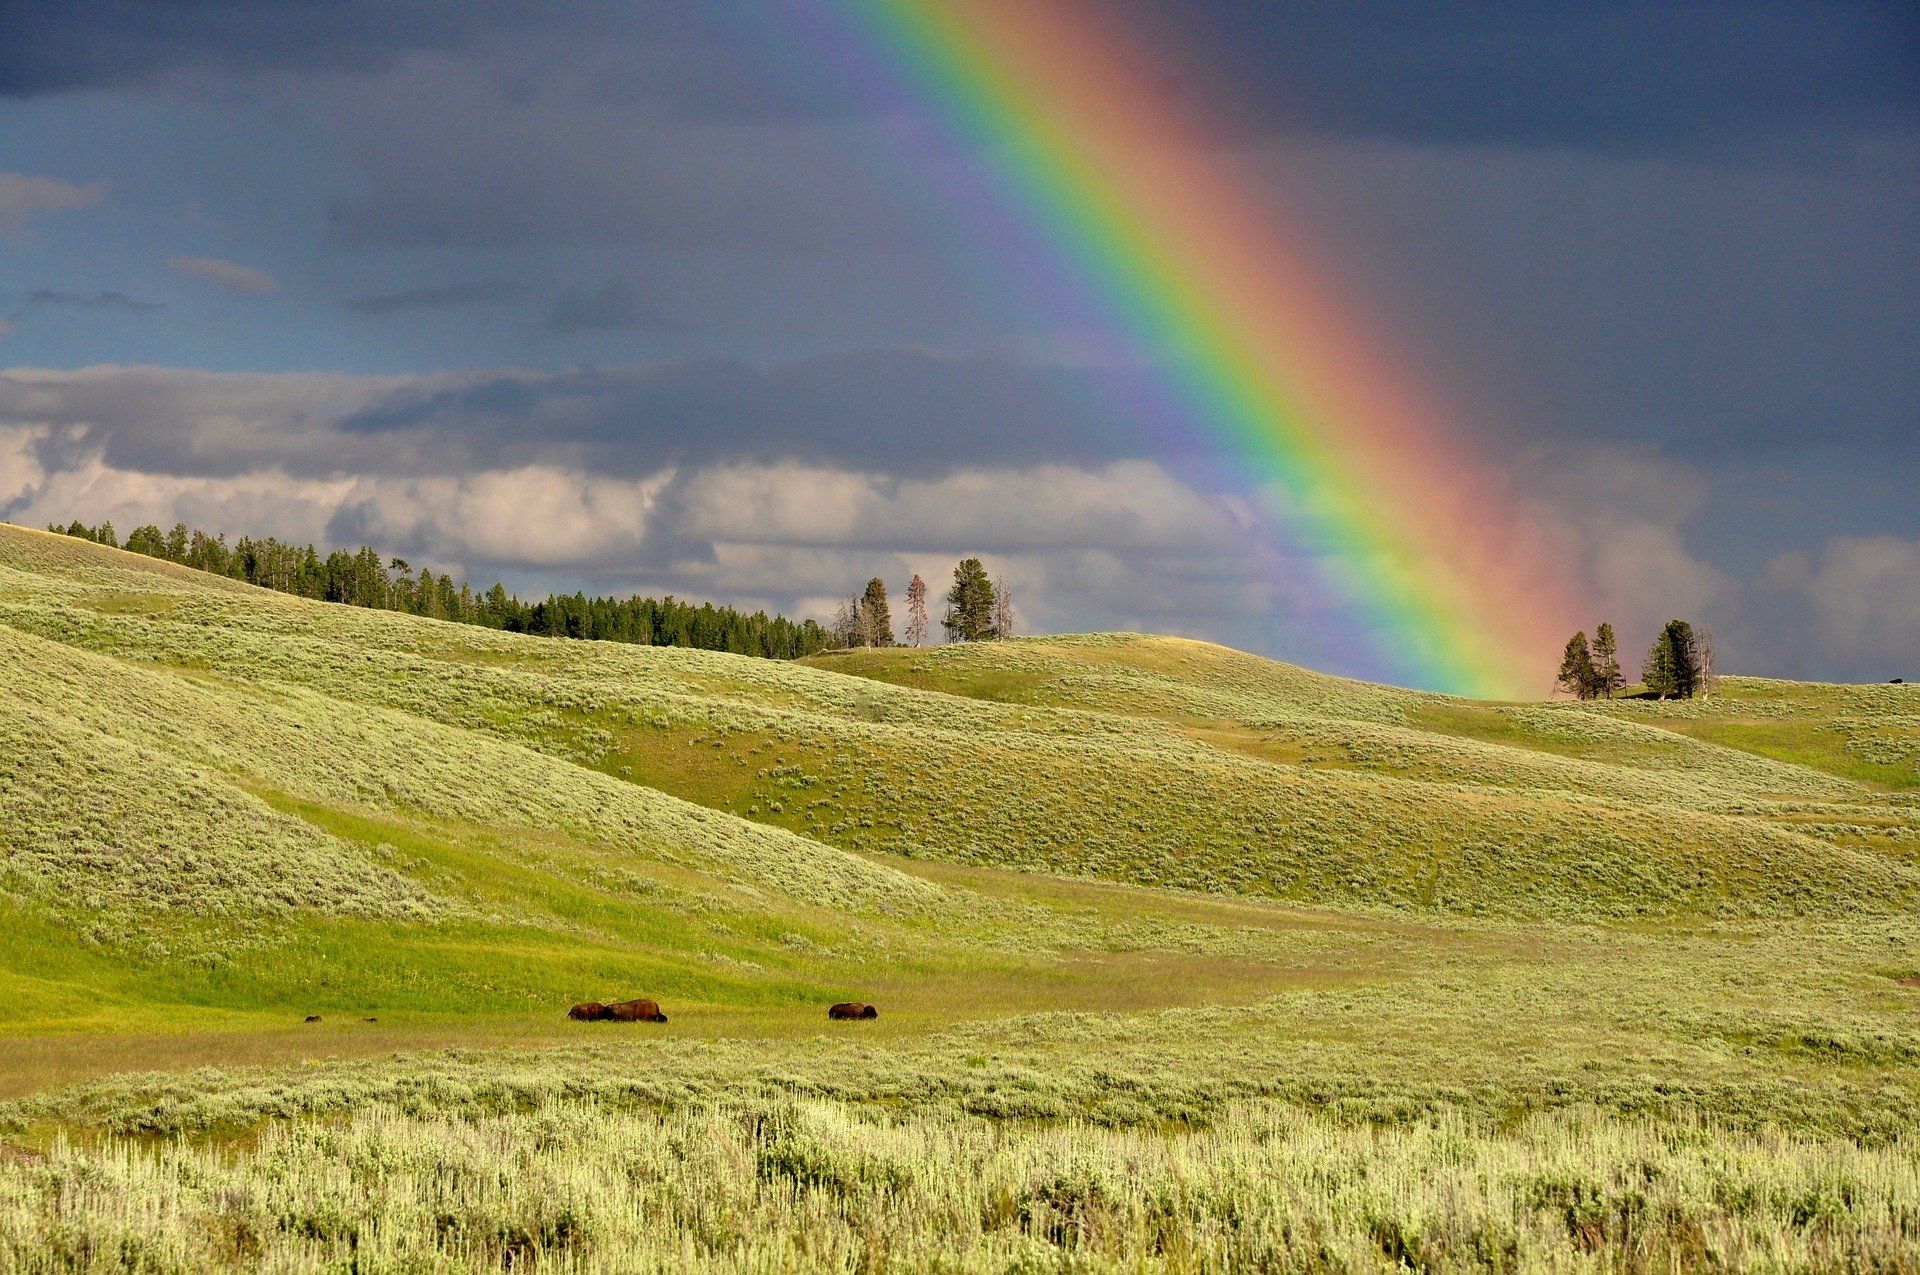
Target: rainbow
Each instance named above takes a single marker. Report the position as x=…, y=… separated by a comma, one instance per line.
x=1445, y=582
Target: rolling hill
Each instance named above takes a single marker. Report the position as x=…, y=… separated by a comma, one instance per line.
x=1116, y=878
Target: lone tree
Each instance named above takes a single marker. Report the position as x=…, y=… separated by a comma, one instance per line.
x=1672, y=669
x=1606, y=661
x=916, y=610
x=1002, y=608
x=1577, y=676
x=969, y=616
x=846, y=623
x=876, y=619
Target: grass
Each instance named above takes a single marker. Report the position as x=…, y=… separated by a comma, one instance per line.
x=814, y=1185
x=1185, y=959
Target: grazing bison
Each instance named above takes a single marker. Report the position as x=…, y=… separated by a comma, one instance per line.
x=589, y=1011
x=313, y=1018
x=636, y=1011
x=852, y=1009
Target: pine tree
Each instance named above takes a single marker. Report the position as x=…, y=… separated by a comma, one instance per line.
x=1656, y=671
x=1606, y=661
x=1576, y=668
x=147, y=540
x=873, y=609
x=969, y=616
x=916, y=610
x=1685, y=658
x=1002, y=608
x=1673, y=665
x=359, y=579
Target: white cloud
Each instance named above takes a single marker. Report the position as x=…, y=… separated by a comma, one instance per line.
x=1860, y=595
x=22, y=196
x=1617, y=523
x=82, y=485
x=532, y=516
x=230, y=275
x=20, y=473
x=1123, y=545
x=1124, y=505
x=529, y=476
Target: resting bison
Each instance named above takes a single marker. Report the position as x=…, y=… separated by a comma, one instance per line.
x=588, y=1012
x=636, y=1011
x=852, y=1009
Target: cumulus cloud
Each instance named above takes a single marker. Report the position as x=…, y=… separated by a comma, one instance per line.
x=230, y=275
x=1860, y=597
x=1127, y=505
x=717, y=481
x=45, y=478
x=1123, y=544
x=23, y=197
x=1616, y=522
x=536, y=515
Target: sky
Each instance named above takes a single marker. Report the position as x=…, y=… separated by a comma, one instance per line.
x=654, y=297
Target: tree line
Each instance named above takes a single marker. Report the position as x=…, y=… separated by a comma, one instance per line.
x=1679, y=664
x=366, y=578
x=979, y=609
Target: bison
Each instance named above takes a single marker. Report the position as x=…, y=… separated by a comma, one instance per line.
x=852, y=1009
x=636, y=1011
x=589, y=1012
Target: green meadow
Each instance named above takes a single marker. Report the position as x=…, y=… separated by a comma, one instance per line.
x=1185, y=959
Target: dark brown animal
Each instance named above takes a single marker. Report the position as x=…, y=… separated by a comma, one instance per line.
x=852, y=1009
x=589, y=1012
x=313, y=1018
x=636, y=1011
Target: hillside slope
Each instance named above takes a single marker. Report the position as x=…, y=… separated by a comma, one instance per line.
x=241, y=804
x=264, y=859
x=1153, y=761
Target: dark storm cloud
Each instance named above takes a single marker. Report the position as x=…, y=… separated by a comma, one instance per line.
x=1616, y=77
x=902, y=411
x=79, y=44
x=666, y=56
x=491, y=158
x=444, y=296
x=1683, y=230
x=613, y=307
x=1610, y=76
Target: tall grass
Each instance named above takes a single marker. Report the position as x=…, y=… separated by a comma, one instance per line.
x=825, y=1186
x=1569, y=988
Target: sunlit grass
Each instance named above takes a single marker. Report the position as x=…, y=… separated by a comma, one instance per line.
x=1212, y=929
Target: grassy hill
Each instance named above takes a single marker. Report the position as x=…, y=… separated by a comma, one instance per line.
x=1145, y=883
